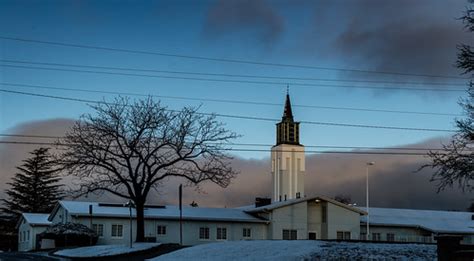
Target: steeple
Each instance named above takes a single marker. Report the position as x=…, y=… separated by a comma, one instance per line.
x=287, y=129
x=287, y=113
x=288, y=162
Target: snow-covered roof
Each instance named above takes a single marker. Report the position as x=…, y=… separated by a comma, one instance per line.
x=281, y=204
x=432, y=220
x=79, y=208
x=37, y=219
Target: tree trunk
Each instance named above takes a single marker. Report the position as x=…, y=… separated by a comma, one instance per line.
x=140, y=210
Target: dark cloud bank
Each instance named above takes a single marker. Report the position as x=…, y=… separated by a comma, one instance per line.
x=415, y=37
x=255, y=18
x=393, y=181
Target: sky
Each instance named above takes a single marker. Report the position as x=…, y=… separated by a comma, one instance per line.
x=370, y=54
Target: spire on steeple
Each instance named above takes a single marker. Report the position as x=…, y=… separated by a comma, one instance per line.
x=287, y=113
x=287, y=129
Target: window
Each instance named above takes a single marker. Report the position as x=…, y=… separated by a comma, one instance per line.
x=246, y=233
x=203, y=233
x=347, y=235
x=117, y=230
x=289, y=234
x=340, y=235
x=376, y=236
x=312, y=236
x=390, y=237
x=363, y=236
x=343, y=235
x=298, y=195
x=27, y=235
x=99, y=229
x=221, y=233
x=161, y=230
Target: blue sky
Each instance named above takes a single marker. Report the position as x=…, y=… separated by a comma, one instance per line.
x=406, y=37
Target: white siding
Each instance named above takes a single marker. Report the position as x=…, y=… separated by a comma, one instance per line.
x=289, y=217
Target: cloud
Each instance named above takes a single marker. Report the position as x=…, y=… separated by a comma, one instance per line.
x=416, y=37
x=234, y=18
x=393, y=180
x=11, y=155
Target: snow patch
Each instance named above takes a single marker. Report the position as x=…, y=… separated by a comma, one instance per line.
x=246, y=250
x=302, y=250
x=105, y=250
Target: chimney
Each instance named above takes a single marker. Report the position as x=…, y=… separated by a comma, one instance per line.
x=260, y=202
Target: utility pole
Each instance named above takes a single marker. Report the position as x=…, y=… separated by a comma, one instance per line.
x=181, y=214
x=90, y=216
x=367, y=197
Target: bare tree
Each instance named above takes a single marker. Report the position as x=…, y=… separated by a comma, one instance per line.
x=456, y=163
x=129, y=148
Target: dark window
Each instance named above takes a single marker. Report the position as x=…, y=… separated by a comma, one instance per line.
x=161, y=230
x=117, y=230
x=203, y=233
x=289, y=234
x=312, y=236
x=363, y=236
x=99, y=229
x=246, y=232
x=221, y=233
x=390, y=237
x=347, y=235
x=376, y=236
x=298, y=195
x=343, y=235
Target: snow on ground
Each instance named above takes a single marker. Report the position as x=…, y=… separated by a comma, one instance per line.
x=104, y=250
x=374, y=251
x=302, y=250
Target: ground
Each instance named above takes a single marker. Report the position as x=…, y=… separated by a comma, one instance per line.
x=105, y=250
x=302, y=250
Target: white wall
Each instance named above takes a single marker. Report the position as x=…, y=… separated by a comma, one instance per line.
x=290, y=217
x=342, y=219
x=27, y=235
x=402, y=234
x=190, y=230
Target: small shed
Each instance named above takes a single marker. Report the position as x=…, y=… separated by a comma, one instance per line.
x=29, y=226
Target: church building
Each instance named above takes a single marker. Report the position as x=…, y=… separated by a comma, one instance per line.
x=288, y=215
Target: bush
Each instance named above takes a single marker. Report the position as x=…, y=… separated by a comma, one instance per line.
x=70, y=234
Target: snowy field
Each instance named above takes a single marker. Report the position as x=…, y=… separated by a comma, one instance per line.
x=302, y=250
x=105, y=250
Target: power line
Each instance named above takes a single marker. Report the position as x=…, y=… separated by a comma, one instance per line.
x=244, y=117
x=227, y=100
x=229, y=75
x=249, y=144
x=241, y=150
x=238, y=61
x=233, y=81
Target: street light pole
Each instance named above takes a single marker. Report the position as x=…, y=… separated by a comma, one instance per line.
x=130, y=205
x=367, y=197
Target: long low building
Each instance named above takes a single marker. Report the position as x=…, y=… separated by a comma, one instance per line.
x=304, y=218
x=412, y=225
x=311, y=218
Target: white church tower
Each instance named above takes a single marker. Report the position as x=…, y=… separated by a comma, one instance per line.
x=288, y=166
